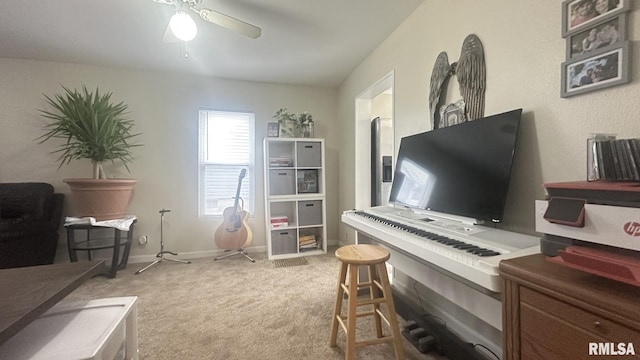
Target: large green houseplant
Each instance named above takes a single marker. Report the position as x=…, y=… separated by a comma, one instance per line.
x=95, y=128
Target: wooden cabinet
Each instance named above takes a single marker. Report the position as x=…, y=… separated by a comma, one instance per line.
x=295, y=197
x=553, y=312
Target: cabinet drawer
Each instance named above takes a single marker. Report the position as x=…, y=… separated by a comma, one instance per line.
x=310, y=212
x=601, y=328
x=309, y=154
x=282, y=182
x=284, y=242
x=544, y=336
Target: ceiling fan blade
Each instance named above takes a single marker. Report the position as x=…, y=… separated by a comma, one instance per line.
x=229, y=22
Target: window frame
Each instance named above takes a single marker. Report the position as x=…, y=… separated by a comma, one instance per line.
x=248, y=181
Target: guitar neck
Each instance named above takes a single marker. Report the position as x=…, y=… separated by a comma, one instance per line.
x=237, y=198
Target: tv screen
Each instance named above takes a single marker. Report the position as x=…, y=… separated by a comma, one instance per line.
x=462, y=169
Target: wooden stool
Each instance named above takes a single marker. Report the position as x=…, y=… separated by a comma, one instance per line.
x=374, y=257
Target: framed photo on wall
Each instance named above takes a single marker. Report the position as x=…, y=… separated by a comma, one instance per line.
x=593, y=38
x=577, y=15
x=588, y=72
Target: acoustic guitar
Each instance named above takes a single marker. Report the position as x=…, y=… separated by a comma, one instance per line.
x=234, y=232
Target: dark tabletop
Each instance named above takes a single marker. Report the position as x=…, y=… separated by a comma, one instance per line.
x=28, y=292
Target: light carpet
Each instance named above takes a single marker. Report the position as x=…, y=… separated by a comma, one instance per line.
x=234, y=309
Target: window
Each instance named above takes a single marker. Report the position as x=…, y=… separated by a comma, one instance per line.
x=225, y=147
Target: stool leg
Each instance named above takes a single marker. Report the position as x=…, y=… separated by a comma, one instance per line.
x=352, y=313
x=393, y=317
x=374, y=293
x=338, y=306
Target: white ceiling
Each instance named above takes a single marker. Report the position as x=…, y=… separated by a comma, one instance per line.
x=303, y=42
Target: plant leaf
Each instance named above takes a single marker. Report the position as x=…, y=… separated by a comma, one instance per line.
x=91, y=125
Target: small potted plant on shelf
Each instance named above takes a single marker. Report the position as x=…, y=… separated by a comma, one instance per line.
x=294, y=125
x=93, y=127
x=287, y=122
x=305, y=122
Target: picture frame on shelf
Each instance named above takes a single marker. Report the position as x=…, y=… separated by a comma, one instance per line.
x=590, y=72
x=600, y=35
x=273, y=129
x=308, y=181
x=452, y=114
x=577, y=15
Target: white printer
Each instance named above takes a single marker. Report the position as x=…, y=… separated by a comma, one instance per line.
x=592, y=226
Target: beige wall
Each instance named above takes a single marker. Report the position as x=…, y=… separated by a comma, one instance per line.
x=165, y=108
x=523, y=50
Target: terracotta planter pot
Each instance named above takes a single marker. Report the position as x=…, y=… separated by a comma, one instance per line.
x=103, y=199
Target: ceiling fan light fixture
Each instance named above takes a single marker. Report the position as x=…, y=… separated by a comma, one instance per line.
x=183, y=26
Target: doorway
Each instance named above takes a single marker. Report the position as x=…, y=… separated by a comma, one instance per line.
x=374, y=102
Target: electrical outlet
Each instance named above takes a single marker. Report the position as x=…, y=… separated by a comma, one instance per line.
x=142, y=240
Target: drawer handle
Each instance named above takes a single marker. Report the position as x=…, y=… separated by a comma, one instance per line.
x=308, y=146
x=309, y=205
x=282, y=173
x=596, y=323
x=284, y=233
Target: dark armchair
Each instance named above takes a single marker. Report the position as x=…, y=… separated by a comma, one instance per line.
x=30, y=215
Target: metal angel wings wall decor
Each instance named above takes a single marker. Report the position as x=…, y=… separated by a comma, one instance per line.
x=471, y=74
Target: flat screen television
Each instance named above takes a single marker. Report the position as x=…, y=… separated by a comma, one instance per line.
x=461, y=169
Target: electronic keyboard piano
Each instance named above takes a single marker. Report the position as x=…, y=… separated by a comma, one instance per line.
x=462, y=250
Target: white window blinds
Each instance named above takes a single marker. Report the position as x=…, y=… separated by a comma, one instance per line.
x=226, y=146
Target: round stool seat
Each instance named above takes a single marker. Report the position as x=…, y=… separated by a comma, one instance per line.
x=362, y=254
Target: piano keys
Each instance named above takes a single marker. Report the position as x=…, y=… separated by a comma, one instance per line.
x=468, y=252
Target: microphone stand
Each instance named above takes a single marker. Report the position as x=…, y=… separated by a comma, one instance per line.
x=160, y=255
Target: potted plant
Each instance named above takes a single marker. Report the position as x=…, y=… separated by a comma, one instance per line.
x=287, y=122
x=305, y=122
x=294, y=125
x=95, y=128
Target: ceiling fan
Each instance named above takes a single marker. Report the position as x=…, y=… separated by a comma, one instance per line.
x=184, y=28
